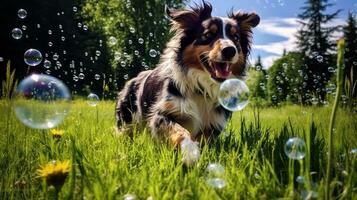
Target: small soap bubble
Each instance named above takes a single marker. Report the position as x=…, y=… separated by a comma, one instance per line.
x=47, y=64
x=49, y=32
x=319, y=58
x=81, y=76
x=97, y=77
x=129, y=197
x=24, y=27
x=22, y=13
x=16, y=33
x=152, y=53
x=216, y=183
x=92, y=99
x=233, y=94
x=32, y=57
x=331, y=69
x=85, y=27
x=112, y=41
x=354, y=151
x=126, y=76
x=215, y=169
x=55, y=56
x=75, y=9
x=295, y=148
x=132, y=30
x=300, y=180
x=97, y=53
x=41, y=101
x=140, y=40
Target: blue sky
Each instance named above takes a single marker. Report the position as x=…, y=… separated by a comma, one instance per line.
x=278, y=22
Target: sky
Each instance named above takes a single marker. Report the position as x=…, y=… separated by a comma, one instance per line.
x=278, y=24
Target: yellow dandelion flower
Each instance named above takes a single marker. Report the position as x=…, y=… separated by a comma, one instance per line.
x=55, y=172
x=56, y=133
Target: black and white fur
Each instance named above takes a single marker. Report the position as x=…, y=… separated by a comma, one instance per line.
x=178, y=99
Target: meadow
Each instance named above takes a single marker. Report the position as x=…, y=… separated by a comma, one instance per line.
x=105, y=165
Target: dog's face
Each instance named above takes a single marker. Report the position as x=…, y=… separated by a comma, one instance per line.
x=218, y=46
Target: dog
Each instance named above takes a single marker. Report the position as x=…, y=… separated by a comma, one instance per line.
x=178, y=100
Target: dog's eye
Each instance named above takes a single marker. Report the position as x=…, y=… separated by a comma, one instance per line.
x=235, y=37
x=207, y=35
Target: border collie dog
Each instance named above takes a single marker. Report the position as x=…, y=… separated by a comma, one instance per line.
x=178, y=100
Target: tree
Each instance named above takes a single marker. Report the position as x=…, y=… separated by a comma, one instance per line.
x=135, y=32
x=58, y=33
x=286, y=79
x=257, y=81
x=315, y=45
x=350, y=34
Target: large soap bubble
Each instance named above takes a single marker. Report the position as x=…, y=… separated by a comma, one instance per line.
x=233, y=94
x=41, y=101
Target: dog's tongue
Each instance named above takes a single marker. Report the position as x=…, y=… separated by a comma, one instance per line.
x=222, y=70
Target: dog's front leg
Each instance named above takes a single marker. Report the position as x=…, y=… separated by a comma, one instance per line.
x=163, y=126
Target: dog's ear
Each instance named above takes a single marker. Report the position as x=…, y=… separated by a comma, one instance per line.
x=250, y=19
x=189, y=18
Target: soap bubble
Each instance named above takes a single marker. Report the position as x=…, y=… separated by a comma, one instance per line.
x=216, y=183
x=354, y=151
x=32, y=57
x=97, y=53
x=141, y=40
x=300, y=180
x=233, y=94
x=113, y=41
x=331, y=69
x=96, y=76
x=295, y=148
x=92, y=99
x=22, y=13
x=81, y=76
x=41, y=101
x=215, y=169
x=129, y=197
x=55, y=56
x=152, y=53
x=319, y=58
x=16, y=33
x=132, y=30
x=47, y=64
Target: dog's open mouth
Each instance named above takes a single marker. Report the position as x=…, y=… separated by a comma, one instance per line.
x=219, y=71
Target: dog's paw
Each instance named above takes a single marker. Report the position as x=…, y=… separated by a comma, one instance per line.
x=190, y=152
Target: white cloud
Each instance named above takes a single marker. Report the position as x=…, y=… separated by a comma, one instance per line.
x=287, y=28
x=284, y=27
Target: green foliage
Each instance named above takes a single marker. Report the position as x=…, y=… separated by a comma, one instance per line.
x=350, y=35
x=287, y=79
x=128, y=22
x=350, y=71
x=108, y=166
x=314, y=42
x=9, y=84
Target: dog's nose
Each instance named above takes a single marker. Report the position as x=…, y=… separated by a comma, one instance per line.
x=228, y=52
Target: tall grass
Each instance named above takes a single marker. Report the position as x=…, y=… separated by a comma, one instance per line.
x=108, y=166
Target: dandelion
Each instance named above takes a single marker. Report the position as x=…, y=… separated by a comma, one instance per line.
x=56, y=133
x=55, y=173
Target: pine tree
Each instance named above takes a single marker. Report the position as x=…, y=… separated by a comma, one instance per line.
x=257, y=80
x=315, y=45
x=350, y=33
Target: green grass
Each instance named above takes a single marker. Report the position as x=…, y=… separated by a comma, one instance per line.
x=108, y=166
